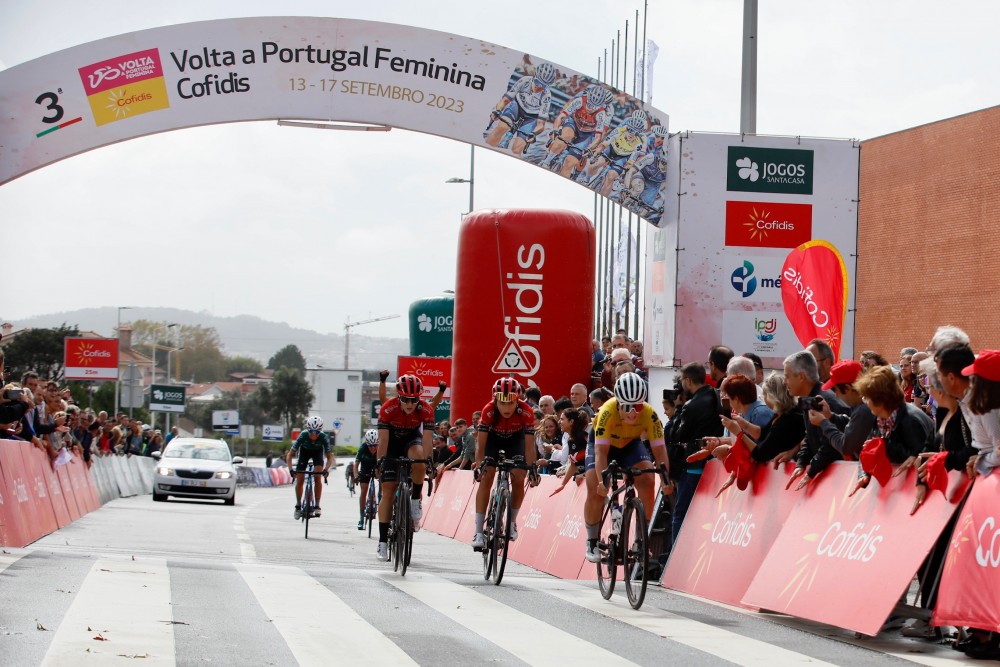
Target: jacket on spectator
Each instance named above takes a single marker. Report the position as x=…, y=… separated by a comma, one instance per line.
x=699, y=419
x=783, y=433
x=848, y=433
x=817, y=453
x=957, y=440
x=912, y=433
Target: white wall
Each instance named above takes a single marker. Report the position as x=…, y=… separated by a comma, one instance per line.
x=325, y=383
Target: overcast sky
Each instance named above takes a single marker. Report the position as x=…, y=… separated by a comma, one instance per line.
x=250, y=219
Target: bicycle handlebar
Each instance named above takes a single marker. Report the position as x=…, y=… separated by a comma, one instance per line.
x=615, y=469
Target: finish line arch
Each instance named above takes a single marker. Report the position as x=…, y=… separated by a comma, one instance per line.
x=274, y=68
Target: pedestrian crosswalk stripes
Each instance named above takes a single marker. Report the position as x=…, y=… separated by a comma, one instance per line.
x=319, y=627
x=710, y=639
x=121, y=610
x=500, y=624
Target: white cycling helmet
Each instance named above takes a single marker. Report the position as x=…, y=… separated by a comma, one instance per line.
x=635, y=125
x=598, y=97
x=314, y=423
x=640, y=115
x=545, y=73
x=660, y=130
x=371, y=437
x=629, y=388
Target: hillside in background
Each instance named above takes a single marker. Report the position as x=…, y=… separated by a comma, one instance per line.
x=242, y=335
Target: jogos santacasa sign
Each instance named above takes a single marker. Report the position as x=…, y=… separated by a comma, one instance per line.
x=91, y=358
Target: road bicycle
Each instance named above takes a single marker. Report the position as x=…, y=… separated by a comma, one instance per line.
x=499, y=516
x=371, y=506
x=349, y=474
x=308, y=495
x=624, y=535
x=400, y=537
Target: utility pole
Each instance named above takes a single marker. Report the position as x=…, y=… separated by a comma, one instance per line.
x=347, y=332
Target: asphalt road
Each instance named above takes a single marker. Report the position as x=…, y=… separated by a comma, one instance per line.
x=199, y=583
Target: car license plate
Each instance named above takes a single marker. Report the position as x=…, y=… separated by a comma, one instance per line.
x=193, y=482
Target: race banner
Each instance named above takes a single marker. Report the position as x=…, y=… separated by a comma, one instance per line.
x=970, y=583
x=91, y=358
x=814, y=293
x=430, y=370
x=724, y=540
x=846, y=560
x=332, y=69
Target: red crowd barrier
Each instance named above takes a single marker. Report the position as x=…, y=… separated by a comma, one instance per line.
x=34, y=500
x=845, y=560
x=724, y=540
x=970, y=583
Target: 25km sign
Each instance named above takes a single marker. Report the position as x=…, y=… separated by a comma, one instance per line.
x=91, y=358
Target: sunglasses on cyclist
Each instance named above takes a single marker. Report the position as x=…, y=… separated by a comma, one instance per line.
x=630, y=407
x=315, y=431
x=408, y=399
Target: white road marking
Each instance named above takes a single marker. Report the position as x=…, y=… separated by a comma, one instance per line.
x=499, y=623
x=707, y=638
x=125, y=602
x=319, y=627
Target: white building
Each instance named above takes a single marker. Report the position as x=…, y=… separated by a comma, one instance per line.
x=338, y=399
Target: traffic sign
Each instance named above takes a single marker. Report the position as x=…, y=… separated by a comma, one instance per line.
x=336, y=424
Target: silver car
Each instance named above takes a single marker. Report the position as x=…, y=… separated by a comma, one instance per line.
x=196, y=468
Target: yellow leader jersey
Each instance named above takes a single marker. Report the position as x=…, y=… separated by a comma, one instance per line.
x=609, y=428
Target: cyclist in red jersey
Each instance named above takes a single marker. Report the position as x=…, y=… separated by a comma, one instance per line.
x=400, y=422
x=508, y=424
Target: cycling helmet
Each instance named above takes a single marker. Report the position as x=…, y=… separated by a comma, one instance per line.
x=635, y=126
x=409, y=386
x=371, y=437
x=629, y=388
x=598, y=97
x=507, y=389
x=314, y=423
x=660, y=131
x=545, y=73
x=639, y=114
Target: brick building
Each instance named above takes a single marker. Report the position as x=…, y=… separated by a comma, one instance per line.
x=928, y=242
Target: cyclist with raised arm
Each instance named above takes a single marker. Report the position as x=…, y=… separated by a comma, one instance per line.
x=620, y=427
x=405, y=429
x=364, y=466
x=312, y=444
x=508, y=425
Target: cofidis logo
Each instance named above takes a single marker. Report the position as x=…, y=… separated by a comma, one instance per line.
x=125, y=86
x=767, y=224
x=784, y=170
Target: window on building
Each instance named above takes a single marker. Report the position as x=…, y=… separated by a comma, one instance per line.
x=340, y=395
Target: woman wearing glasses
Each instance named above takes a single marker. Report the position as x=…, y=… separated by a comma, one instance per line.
x=620, y=427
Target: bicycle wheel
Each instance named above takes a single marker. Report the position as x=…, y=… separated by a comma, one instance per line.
x=505, y=519
x=633, y=539
x=607, y=547
x=307, y=503
x=403, y=529
x=371, y=508
x=489, y=555
x=396, y=528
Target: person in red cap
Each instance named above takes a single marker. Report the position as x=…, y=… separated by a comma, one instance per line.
x=847, y=433
x=905, y=429
x=975, y=384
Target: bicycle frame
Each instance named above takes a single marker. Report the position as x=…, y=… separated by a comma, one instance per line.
x=499, y=516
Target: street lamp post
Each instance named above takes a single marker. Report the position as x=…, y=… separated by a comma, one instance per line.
x=169, y=352
x=471, y=179
x=118, y=373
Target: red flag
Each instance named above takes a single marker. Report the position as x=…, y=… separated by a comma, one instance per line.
x=814, y=293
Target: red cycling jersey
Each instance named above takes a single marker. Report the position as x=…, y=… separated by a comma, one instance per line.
x=517, y=425
x=404, y=427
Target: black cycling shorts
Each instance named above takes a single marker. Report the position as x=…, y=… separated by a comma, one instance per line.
x=398, y=449
x=305, y=455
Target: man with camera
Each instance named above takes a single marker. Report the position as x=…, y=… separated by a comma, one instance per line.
x=846, y=432
x=802, y=380
x=13, y=402
x=699, y=419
